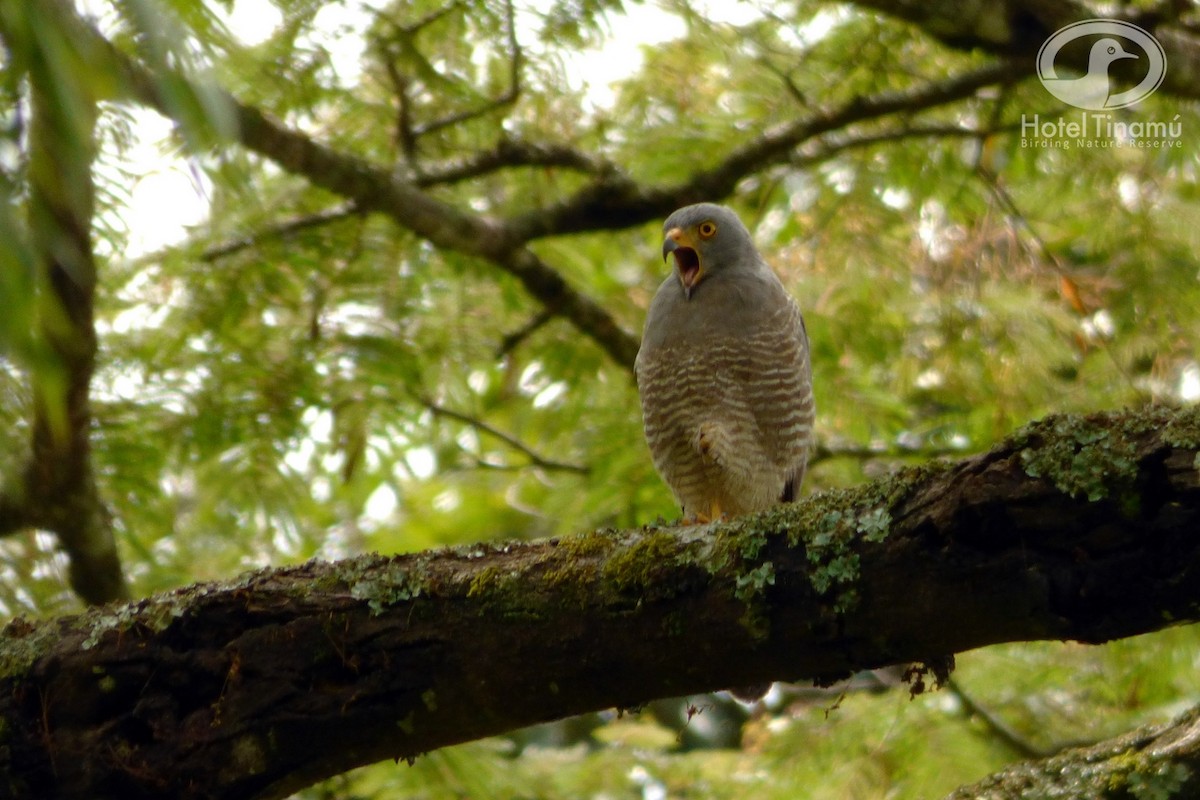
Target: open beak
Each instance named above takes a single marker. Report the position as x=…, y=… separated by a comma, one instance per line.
x=687, y=259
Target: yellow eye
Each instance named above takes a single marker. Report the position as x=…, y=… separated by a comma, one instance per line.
x=707, y=229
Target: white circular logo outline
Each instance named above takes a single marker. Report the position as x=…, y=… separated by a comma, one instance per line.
x=1155, y=55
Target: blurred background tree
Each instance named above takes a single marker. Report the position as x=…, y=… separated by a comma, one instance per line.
x=420, y=239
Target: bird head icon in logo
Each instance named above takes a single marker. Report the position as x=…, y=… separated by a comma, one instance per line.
x=1095, y=90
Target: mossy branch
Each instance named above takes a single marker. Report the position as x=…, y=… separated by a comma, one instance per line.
x=1075, y=528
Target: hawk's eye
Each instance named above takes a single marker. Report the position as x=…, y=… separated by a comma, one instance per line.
x=707, y=229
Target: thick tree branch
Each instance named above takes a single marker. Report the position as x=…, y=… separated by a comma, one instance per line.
x=373, y=188
x=1075, y=528
x=613, y=200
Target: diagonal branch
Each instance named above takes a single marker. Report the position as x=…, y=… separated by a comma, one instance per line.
x=407, y=132
x=535, y=458
x=280, y=230
x=373, y=188
x=611, y=201
x=616, y=201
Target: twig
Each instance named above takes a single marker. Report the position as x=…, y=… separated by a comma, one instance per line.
x=511, y=340
x=1002, y=196
x=535, y=459
x=826, y=147
x=510, y=153
x=14, y=514
x=509, y=96
x=405, y=137
x=430, y=18
x=786, y=79
x=1000, y=730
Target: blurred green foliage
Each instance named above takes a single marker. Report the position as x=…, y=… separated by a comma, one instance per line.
x=293, y=379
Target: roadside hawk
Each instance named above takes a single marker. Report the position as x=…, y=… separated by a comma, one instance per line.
x=724, y=372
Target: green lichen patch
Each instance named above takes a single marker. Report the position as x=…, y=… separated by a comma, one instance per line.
x=384, y=582
x=587, y=545
x=637, y=565
x=1144, y=777
x=1182, y=428
x=830, y=528
x=1080, y=456
x=863, y=513
x=153, y=614
x=750, y=543
x=833, y=564
x=874, y=525
x=489, y=581
x=889, y=492
x=118, y=618
x=23, y=642
x=750, y=585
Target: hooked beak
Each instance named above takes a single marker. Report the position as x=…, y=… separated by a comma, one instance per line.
x=687, y=259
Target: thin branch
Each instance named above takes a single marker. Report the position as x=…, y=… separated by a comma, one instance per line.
x=794, y=91
x=507, y=98
x=776, y=146
x=430, y=18
x=826, y=147
x=998, y=728
x=512, y=340
x=406, y=139
x=535, y=459
x=510, y=153
x=1009, y=204
x=546, y=284
x=14, y=514
x=280, y=230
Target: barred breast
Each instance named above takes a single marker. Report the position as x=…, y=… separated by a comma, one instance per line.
x=729, y=420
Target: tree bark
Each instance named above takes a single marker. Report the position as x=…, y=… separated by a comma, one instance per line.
x=1075, y=528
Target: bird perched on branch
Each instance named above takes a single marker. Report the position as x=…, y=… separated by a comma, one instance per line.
x=724, y=372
